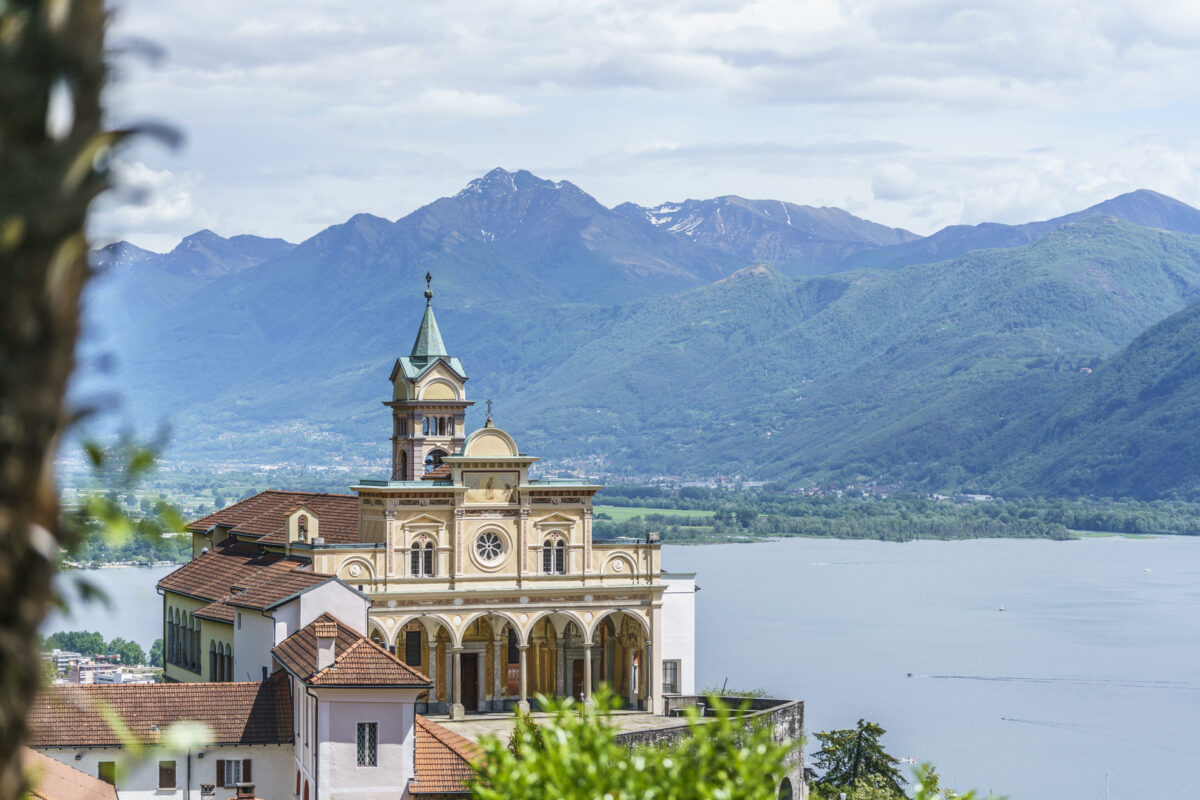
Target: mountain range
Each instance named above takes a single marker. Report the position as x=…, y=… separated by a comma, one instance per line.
x=728, y=336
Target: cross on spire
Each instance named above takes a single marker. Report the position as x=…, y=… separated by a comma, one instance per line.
x=489, y=418
x=428, y=287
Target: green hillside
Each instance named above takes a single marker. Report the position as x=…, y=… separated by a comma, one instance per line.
x=930, y=373
x=1128, y=429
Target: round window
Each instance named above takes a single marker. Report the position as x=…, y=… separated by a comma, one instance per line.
x=489, y=546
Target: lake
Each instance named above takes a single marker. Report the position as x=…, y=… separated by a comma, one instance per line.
x=1091, y=671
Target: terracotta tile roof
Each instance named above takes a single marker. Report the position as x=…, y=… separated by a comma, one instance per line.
x=325, y=629
x=437, y=473
x=278, y=588
x=443, y=760
x=236, y=713
x=219, y=611
x=54, y=780
x=234, y=566
x=357, y=661
x=264, y=516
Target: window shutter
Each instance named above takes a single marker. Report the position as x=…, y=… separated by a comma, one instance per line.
x=221, y=772
x=246, y=771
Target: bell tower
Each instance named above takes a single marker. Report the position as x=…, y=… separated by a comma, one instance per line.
x=429, y=402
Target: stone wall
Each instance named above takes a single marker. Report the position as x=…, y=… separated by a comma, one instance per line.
x=785, y=717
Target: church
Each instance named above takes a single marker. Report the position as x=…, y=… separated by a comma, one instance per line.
x=326, y=645
x=487, y=580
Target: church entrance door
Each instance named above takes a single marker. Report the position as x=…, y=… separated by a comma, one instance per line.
x=577, y=678
x=470, y=681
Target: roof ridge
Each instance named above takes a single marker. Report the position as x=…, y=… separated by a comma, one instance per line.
x=455, y=741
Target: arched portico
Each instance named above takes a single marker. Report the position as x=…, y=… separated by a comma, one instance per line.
x=624, y=642
x=426, y=642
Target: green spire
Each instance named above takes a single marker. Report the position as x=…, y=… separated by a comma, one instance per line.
x=429, y=342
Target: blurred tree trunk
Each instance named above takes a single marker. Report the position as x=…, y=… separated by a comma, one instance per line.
x=48, y=177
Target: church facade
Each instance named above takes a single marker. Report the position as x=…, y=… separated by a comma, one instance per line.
x=487, y=580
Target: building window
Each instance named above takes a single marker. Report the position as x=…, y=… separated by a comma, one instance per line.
x=416, y=561
x=166, y=775
x=429, y=560
x=232, y=771
x=368, y=734
x=554, y=557
x=107, y=772
x=489, y=546
x=412, y=648
x=670, y=677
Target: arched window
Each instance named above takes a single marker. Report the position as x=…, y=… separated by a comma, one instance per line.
x=429, y=560
x=306, y=790
x=424, y=426
x=554, y=560
x=785, y=789
x=212, y=660
x=302, y=527
x=416, y=560
x=450, y=426
x=403, y=476
x=434, y=460
x=297, y=781
x=441, y=426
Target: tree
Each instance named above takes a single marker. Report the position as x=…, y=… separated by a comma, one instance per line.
x=131, y=653
x=576, y=756
x=155, y=659
x=86, y=643
x=852, y=755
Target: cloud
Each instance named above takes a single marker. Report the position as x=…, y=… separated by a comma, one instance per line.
x=146, y=200
x=919, y=113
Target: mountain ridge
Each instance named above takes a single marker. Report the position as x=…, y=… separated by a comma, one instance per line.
x=603, y=349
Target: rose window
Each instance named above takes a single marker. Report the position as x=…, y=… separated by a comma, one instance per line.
x=488, y=546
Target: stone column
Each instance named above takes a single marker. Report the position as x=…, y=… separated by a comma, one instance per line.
x=560, y=669
x=458, y=544
x=497, y=664
x=456, y=710
x=651, y=678
x=389, y=538
x=433, y=670
x=587, y=539
x=630, y=685
x=587, y=672
x=523, y=698
x=522, y=542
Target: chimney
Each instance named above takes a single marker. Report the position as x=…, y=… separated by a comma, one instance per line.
x=326, y=633
x=245, y=791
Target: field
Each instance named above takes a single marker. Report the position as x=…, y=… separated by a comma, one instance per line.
x=623, y=513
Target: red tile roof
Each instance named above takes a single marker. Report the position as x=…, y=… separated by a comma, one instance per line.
x=234, y=568
x=437, y=473
x=277, y=589
x=51, y=779
x=219, y=611
x=264, y=516
x=358, y=661
x=235, y=713
x=443, y=760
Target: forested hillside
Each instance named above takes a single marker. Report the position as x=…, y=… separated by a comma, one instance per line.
x=614, y=344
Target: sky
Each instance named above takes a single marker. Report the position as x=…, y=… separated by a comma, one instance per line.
x=298, y=114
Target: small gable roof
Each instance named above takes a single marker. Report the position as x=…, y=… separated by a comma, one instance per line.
x=51, y=779
x=357, y=660
x=443, y=760
x=264, y=516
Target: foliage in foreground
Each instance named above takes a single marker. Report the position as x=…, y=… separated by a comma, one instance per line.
x=574, y=755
